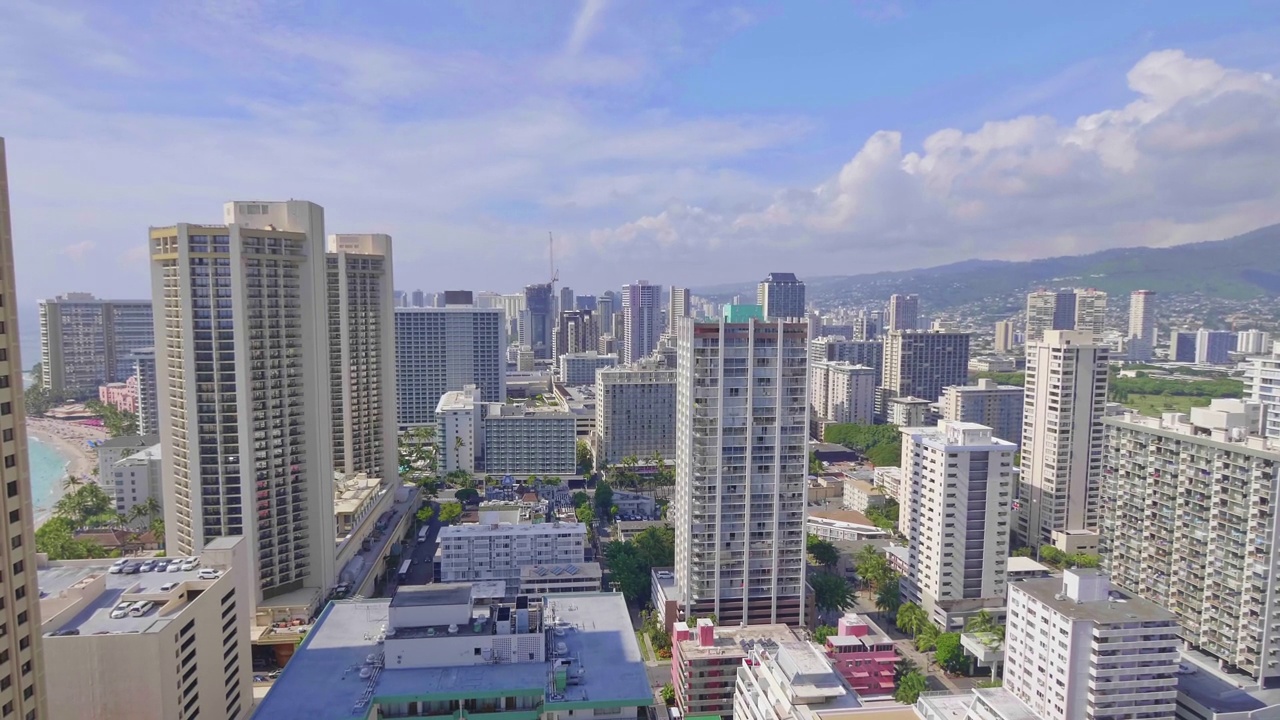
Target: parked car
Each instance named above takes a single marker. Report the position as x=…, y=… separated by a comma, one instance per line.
x=190, y=564
x=208, y=574
x=118, y=566
x=62, y=633
x=147, y=566
x=141, y=608
x=175, y=565
x=162, y=565
x=168, y=586
x=132, y=568
x=121, y=610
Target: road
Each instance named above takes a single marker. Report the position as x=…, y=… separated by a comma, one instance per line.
x=423, y=554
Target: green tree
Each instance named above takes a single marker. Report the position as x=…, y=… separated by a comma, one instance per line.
x=418, y=454
x=579, y=499
x=822, y=632
x=117, y=422
x=630, y=563
x=884, y=517
x=1083, y=560
x=668, y=694
x=664, y=475
x=468, y=496
x=449, y=512
x=88, y=505
x=585, y=514
x=604, y=500
x=552, y=481
x=927, y=637
x=426, y=513
x=583, y=454
x=832, y=592
x=56, y=537
x=822, y=551
x=980, y=623
x=911, y=619
x=1050, y=555
x=949, y=654
x=873, y=568
x=880, y=444
x=888, y=598
x=910, y=687
x=1004, y=378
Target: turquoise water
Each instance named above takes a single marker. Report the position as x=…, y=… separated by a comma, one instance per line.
x=47, y=470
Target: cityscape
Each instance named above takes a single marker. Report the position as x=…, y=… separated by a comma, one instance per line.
x=272, y=469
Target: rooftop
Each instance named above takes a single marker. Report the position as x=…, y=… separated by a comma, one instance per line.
x=1120, y=607
x=506, y=528
x=731, y=641
x=852, y=517
x=147, y=455
x=432, y=595
x=135, y=441
x=323, y=681
x=1026, y=565
x=1200, y=680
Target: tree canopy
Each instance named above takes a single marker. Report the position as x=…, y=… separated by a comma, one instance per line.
x=449, y=512
x=832, y=592
x=630, y=563
x=117, y=422
x=604, y=500
x=822, y=551
x=881, y=444
x=910, y=687
x=822, y=632
x=56, y=537
x=949, y=654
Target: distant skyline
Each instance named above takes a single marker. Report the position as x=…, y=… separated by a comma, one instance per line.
x=692, y=144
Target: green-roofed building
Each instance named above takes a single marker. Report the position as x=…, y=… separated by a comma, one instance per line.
x=743, y=313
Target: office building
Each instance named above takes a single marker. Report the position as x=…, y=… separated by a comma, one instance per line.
x=417, y=299
x=576, y=332
x=843, y=392
x=1262, y=385
x=604, y=315
x=584, y=302
x=999, y=407
x=920, y=363
x=1006, y=338
x=903, y=313
x=1182, y=346
x=245, y=424
x=1253, y=342
x=498, y=550
x=180, y=648
x=460, y=430
x=144, y=369
x=1188, y=526
x=858, y=352
x=705, y=659
x=1065, y=399
x=863, y=655
x=781, y=296
x=566, y=299
x=679, y=307
x=1142, y=325
x=580, y=368
x=362, y=354
x=523, y=441
x=956, y=515
x=1084, y=310
x=635, y=413
x=741, y=458
x=641, y=320
x=22, y=666
x=1076, y=649
x=86, y=342
x=1214, y=347
x=454, y=650
x=443, y=349
x=537, y=320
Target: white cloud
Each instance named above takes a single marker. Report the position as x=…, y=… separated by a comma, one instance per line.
x=77, y=251
x=584, y=25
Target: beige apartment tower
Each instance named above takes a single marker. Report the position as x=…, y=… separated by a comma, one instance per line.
x=362, y=354
x=241, y=322
x=1078, y=309
x=21, y=662
x=1005, y=337
x=1142, y=325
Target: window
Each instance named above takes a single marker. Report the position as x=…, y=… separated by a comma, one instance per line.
x=6, y=408
x=14, y=516
x=10, y=461
x=24, y=643
x=8, y=435
x=15, y=542
x=18, y=567
x=22, y=618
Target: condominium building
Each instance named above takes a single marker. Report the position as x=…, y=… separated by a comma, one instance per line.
x=999, y=407
x=705, y=661
x=523, y=441
x=863, y=655
x=566, y=299
x=443, y=349
x=537, y=320
x=453, y=650
x=1262, y=385
x=641, y=320
x=903, y=313
x=1075, y=649
x=858, y=352
x=144, y=369
x=920, y=363
x=635, y=413
x=152, y=646
x=678, y=308
x=580, y=368
x=113, y=450
x=1182, y=346
x=782, y=296
x=362, y=354
x=245, y=423
x=1188, y=525
x=1142, y=325
x=1253, y=342
x=86, y=342
x=22, y=668
x=955, y=513
x=791, y=680
x=909, y=411
x=497, y=551
x=576, y=331
x=604, y=315
x=741, y=458
x=460, y=430
x=1064, y=403
x=1077, y=309
x=1214, y=347
x=843, y=392
x=135, y=479
x=1006, y=337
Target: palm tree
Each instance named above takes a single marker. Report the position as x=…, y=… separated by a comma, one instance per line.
x=911, y=619
x=149, y=507
x=71, y=482
x=888, y=598
x=832, y=592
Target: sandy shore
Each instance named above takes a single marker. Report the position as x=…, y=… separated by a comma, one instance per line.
x=71, y=440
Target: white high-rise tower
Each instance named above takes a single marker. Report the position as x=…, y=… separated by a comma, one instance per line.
x=642, y=319
x=1142, y=325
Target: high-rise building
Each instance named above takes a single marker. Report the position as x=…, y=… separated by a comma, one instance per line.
x=1188, y=525
x=1065, y=398
x=679, y=307
x=1214, y=347
x=245, y=416
x=144, y=367
x=576, y=331
x=580, y=368
x=1142, y=325
x=858, y=352
x=1262, y=385
x=417, y=299
x=642, y=319
x=903, y=313
x=956, y=495
x=782, y=296
x=999, y=407
x=741, y=419
x=1253, y=342
x=537, y=321
x=22, y=668
x=443, y=349
x=584, y=302
x=843, y=392
x=920, y=363
x=498, y=550
x=86, y=342
x=604, y=314
x=1076, y=649
x=1079, y=309
x=635, y=413
x=362, y=354
x=566, y=299
x=1006, y=338
x=1182, y=346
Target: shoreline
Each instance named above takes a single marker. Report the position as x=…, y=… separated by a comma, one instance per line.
x=70, y=440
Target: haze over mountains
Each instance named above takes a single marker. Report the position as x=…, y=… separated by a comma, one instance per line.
x=1238, y=268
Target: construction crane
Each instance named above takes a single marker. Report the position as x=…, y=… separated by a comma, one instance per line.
x=555, y=273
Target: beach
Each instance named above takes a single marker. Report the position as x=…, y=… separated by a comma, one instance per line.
x=70, y=440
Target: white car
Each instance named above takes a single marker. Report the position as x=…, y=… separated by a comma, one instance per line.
x=190, y=564
x=117, y=567
x=168, y=586
x=176, y=565
x=208, y=574
x=141, y=608
x=121, y=610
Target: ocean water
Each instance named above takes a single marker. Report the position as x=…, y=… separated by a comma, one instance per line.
x=48, y=468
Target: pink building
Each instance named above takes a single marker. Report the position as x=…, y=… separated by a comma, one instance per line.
x=863, y=655
x=122, y=396
x=705, y=661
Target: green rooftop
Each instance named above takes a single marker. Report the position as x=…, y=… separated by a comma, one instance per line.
x=738, y=314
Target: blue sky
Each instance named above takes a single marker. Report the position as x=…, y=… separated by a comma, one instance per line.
x=685, y=142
